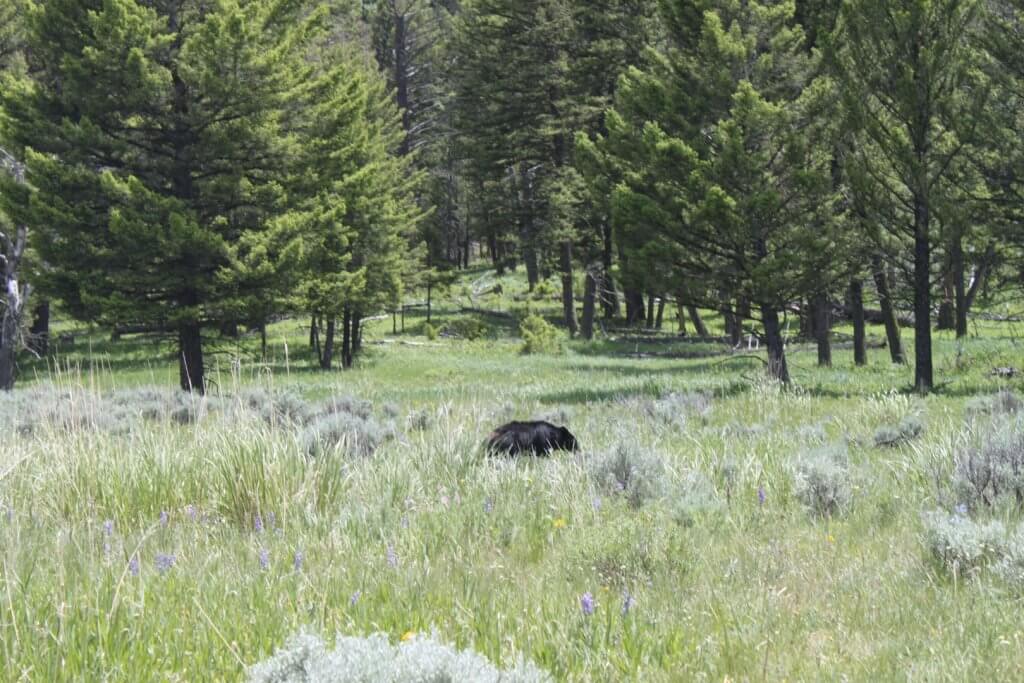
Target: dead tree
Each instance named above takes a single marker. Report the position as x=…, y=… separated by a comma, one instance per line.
x=15, y=299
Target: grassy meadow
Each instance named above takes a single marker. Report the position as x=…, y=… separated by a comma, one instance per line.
x=714, y=526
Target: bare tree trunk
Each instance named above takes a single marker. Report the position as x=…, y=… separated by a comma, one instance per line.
x=777, y=368
x=39, y=333
x=959, y=295
x=650, y=311
x=698, y=322
x=923, y=373
x=589, y=305
x=327, y=357
x=313, y=333
x=346, y=339
x=892, y=326
x=568, y=303
x=823, y=329
x=634, y=306
x=681, y=316
x=609, y=297
x=357, y=332
x=191, y=371
x=660, y=315
x=980, y=276
x=860, y=353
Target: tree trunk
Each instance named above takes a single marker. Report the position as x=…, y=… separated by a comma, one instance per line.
x=634, y=306
x=660, y=315
x=698, y=322
x=650, y=311
x=860, y=353
x=314, y=335
x=357, y=333
x=190, y=358
x=327, y=357
x=980, y=276
x=346, y=339
x=959, y=295
x=609, y=297
x=589, y=305
x=568, y=303
x=39, y=333
x=823, y=329
x=892, y=326
x=777, y=368
x=263, y=340
x=923, y=377
x=681, y=316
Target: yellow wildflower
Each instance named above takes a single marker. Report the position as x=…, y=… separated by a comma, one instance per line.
x=559, y=523
x=408, y=635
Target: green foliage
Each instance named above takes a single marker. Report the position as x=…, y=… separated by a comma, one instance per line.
x=465, y=328
x=430, y=332
x=625, y=555
x=539, y=336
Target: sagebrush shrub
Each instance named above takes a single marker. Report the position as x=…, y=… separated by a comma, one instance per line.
x=693, y=497
x=539, y=336
x=674, y=409
x=277, y=406
x=821, y=480
x=1003, y=402
x=963, y=546
x=355, y=434
x=373, y=659
x=908, y=429
x=992, y=471
x=630, y=472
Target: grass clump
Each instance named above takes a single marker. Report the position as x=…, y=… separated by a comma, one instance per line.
x=992, y=471
x=539, y=336
x=821, y=480
x=673, y=409
x=623, y=554
x=637, y=476
x=373, y=659
x=891, y=436
x=1003, y=402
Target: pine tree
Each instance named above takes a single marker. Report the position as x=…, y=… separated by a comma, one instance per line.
x=154, y=137
x=912, y=80
x=724, y=181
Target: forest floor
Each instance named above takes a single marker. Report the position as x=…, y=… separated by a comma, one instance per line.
x=713, y=527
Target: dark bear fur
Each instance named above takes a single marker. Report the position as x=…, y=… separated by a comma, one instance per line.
x=532, y=438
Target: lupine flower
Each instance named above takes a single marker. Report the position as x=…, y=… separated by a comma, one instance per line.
x=297, y=563
x=257, y=523
x=596, y=503
x=264, y=559
x=355, y=598
x=271, y=520
x=628, y=602
x=961, y=509
x=761, y=495
x=108, y=527
x=392, y=556
x=587, y=604
x=191, y=511
x=164, y=563
x=163, y=518
x=133, y=565
x=488, y=506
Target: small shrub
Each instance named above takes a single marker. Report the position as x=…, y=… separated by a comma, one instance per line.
x=673, y=409
x=963, y=546
x=390, y=410
x=1004, y=402
x=349, y=405
x=275, y=406
x=419, y=421
x=539, y=336
x=543, y=290
x=637, y=476
x=357, y=435
x=373, y=659
x=1010, y=567
x=693, y=498
x=907, y=430
x=466, y=328
x=822, y=480
x=430, y=332
x=992, y=471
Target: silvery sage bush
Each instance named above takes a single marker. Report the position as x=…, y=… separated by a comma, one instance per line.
x=373, y=659
x=991, y=471
x=821, y=479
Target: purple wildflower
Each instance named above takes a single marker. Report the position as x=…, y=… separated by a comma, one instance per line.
x=264, y=559
x=133, y=565
x=596, y=503
x=354, y=600
x=191, y=511
x=961, y=509
x=392, y=556
x=761, y=495
x=271, y=520
x=628, y=603
x=164, y=563
x=257, y=523
x=587, y=604
x=108, y=527
x=488, y=506
x=297, y=562
x=163, y=518
x=106, y=549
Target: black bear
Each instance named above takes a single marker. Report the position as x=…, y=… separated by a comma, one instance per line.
x=535, y=438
